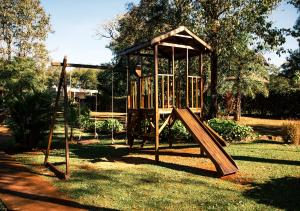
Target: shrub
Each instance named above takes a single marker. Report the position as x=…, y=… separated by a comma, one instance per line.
x=230, y=130
x=30, y=117
x=110, y=124
x=291, y=133
x=86, y=123
x=178, y=130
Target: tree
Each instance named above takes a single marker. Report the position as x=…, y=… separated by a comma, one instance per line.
x=83, y=78
x=221, y=23
x=27, y=99
x=248, y=75
x=19, y=76
x=291, y=68
x=24, y=27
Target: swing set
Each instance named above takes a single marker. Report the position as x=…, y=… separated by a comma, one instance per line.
x=62, y=85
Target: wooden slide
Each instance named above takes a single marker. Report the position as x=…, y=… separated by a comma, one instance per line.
x=208, y=142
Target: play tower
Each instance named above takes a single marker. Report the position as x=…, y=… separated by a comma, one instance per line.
x=165, y=82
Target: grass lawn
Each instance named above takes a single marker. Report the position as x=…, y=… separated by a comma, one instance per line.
x=110, y=176
x=113, y=176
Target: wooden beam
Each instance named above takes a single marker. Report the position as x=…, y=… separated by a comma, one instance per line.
x=56, y=171
x=201, y=83
x=173, y=73
x=183, y=36
x=178, y=46
x=187, y=78
x=156, y=115
x=66, y=109
x=59, y=64
x=164, y=124
x=60, y=83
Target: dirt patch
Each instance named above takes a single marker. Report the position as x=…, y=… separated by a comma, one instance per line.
x=238, y=178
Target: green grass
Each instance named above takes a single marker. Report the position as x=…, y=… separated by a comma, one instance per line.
x=105, y=176
x=2, y=206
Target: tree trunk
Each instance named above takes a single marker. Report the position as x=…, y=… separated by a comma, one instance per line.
x=213, y=88
x=237, y=113
x=71, y=134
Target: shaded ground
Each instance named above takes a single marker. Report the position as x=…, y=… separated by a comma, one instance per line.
x=273, y=192
x=23, y=189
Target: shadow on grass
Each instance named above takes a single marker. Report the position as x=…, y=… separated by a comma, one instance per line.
x=173, y=166
x=266, y=160
x=168, y=153
x=68, y=203
x=97, y=152
x=282, y=193
x=268, y=130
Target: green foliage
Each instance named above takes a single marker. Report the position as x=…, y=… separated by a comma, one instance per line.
x=83, y=78
x=85, y=122
x=29, y=118
x=112, y=124
x=19, y=76
x=88, y=124
x=28, y=102
x=178, y=131
x=230, y=130
x=24, y=28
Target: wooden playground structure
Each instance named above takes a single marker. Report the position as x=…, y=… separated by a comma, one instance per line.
x=62, y=85
x=165, y=83
x=172, y=90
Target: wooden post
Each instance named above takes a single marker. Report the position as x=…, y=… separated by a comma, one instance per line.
x=187, y=78
x=156, y=103
x=201, y=84
x=66, y=109
x=61, y=79
x=173, y=82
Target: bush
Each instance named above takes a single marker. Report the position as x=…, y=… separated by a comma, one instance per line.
x=30, y=117
x=88, y=124
x=230, y=130
x=178, y=130
x=291, y=133
x=110, y=124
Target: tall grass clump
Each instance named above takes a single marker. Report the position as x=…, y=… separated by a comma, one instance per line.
x=291, y=133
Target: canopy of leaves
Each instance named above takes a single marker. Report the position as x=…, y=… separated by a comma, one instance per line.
x=83, y=78
x=24, y=26
x=19, y=76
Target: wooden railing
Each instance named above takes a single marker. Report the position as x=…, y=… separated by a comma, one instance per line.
x=142, y=92
x=166, y=90
x=194, y=84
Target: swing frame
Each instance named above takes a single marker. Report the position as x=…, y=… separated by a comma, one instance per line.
x=63, y=84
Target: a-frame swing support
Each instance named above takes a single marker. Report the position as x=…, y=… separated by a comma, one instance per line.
x=63, y=84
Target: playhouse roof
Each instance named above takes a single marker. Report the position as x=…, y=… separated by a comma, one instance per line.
x=180, y=38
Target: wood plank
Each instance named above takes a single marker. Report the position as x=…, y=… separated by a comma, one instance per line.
x=187, y=78
x=53, y=118
x=88, y=66
x=66, y=111
x=157, y=116
x=173, y=74
x=167, y=44
x=164, y=124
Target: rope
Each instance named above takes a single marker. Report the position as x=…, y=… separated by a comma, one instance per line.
x=112, y=106
x=96, y=104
